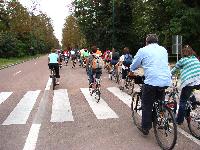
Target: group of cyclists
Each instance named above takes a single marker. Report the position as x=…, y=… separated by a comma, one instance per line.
x=153, y=58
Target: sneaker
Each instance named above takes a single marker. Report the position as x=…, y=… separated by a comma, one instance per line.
x=57, y=83
x=144, y=131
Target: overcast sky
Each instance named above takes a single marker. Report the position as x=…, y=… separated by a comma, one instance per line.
x=57, y=10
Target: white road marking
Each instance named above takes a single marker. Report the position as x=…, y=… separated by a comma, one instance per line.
x=61, y=109
x=101, y=109
x=48, y=85
x=32, y=137
x=21, y=112
x=127, y=100
x=124, y=97
x=17, y=73
x=4, y=96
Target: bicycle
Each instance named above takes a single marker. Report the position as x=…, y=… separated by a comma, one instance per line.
x=129, y=84
x=192, y=115
x=53, y=76
x=162, y=117
x=95, y=89
x=114, y=74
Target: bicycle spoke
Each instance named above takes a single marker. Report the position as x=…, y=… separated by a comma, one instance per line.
x=194, y=122
x=165, y=129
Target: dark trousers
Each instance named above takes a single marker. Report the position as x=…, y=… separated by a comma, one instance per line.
x=185, y=95
x=93, y=73
x=149, y=95
x=56, y=67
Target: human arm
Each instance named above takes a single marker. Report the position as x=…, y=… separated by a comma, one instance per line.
x=137, y=60
x=177, y=67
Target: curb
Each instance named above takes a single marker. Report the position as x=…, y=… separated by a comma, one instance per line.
x=10, y=65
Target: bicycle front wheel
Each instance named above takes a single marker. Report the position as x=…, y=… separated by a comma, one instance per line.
x=97, y=96
x=136, y=108
x=165, y=128
x=194, y=122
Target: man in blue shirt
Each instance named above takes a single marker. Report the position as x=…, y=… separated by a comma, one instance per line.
x=154, y=60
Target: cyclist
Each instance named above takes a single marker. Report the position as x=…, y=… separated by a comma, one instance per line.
x=60, y=57
x=73, y=57
x=81, y=57
x=91, y=70
x=114, y=60
x=125, y=66
x=154, y=60
x=53, y=62
x=189, y=67
x=107, y=59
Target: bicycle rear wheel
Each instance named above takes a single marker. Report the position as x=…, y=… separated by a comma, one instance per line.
x=97, y=96
x=165, y=128
x=136, y=108
x=194, y=122
x=53, y=82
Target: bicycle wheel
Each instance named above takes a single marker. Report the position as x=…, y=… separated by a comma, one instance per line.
x=165, y=128
x=136, y=108
x=53, y=82
x=193, y=122
x=98, y=93
x=129, y=85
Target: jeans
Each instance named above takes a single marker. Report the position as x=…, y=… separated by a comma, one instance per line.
x=149, y=95
x=93, y=73
x=185, y=95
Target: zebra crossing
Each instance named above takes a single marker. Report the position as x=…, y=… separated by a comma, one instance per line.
x=61, y=108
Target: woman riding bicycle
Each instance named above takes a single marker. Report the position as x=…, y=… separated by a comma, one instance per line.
x=53, y=62
x=189, y=67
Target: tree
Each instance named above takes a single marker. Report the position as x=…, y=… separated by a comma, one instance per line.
x=72, y=36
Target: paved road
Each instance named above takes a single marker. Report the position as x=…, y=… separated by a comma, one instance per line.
x=32, y=116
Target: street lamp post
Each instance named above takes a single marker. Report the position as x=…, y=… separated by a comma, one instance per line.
x=113, y=19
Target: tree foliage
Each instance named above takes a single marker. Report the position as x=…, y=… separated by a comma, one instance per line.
x=120, y=23
x=21, y=30
x=72, y=37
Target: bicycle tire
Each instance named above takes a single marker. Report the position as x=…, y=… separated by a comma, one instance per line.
x=98, y=93
x=53, y=82
x=165, y=122
x=193, y=124
x=136, y=109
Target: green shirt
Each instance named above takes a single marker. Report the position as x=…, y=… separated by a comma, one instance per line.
x=189, y=71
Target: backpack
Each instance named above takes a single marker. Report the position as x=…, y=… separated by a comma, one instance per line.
x=97, y=62
x=127, y=60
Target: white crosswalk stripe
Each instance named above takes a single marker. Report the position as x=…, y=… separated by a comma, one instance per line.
x=61, y=109
x=124, y=97
x=21, y=112
x=101, y=109
x=4, y=96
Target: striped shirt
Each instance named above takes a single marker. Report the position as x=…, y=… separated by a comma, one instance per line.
x=189, y=71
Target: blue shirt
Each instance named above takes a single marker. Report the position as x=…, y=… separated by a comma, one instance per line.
x=53, y=57
x=154, y=60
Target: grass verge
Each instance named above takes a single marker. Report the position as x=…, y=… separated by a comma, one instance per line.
x=5, y=62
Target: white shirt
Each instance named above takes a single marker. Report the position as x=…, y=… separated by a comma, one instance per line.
x=121, y=59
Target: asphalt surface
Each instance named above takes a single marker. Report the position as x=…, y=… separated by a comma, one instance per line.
x=33, y=116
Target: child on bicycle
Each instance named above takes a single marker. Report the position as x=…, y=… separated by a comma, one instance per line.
x=90, y=66
x=53, y=62
x=189, y=67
